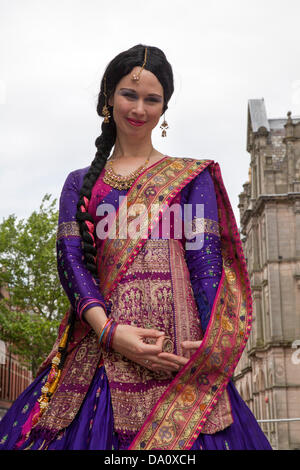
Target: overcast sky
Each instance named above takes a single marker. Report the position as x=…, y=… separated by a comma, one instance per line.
x=53, y=54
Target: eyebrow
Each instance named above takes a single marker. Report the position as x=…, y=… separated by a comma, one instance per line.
x=149, y=94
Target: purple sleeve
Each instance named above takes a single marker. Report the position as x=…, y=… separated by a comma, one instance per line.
x=79, y=284
x=204, y=258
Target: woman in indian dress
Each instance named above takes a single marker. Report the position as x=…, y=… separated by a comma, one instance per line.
x=149, y=255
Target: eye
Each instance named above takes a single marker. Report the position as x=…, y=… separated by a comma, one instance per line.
x=133, y=97
x=129, y=95
x=154, y=100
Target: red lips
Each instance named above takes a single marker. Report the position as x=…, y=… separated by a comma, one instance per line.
x=135, y=123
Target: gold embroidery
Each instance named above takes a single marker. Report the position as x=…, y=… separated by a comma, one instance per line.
x=185, y=310
x=220, y=417
x=200, y=225
x=68, y=229
x=72, y=389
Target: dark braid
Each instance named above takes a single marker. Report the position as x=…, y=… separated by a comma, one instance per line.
x=104, y=144
x=120, y=66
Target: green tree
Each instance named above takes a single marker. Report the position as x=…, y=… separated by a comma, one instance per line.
x=30, y=316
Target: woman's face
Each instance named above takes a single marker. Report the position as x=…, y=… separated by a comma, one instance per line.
x=141, y=100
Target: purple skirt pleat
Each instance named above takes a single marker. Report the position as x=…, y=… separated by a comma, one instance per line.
x=92, y=428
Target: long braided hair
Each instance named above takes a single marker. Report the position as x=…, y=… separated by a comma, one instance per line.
x=120, y=66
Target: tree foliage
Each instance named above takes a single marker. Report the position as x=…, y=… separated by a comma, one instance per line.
x=30, y=316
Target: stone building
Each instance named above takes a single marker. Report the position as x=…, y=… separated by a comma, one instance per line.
x=268, y=373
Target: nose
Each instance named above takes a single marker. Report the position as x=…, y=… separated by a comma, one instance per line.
x=139, y=109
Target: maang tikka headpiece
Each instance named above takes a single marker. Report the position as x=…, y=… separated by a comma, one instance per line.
x=136, y=76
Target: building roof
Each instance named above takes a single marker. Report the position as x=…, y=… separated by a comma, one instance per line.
x=258, y=119
x=278, y=123
x=258, y=115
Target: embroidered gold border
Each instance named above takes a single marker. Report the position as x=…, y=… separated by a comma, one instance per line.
x=68, y=229
x=184, y=302
x=200, y=225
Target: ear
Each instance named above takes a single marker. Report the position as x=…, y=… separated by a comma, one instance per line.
x=111, y=100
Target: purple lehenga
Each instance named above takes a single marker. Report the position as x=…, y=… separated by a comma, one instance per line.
x=105, y=401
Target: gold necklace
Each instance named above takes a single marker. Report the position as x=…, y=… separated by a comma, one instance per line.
x=119, y=181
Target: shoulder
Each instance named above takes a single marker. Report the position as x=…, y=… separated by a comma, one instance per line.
x=79, y=173
x=74, y=179
x=207, y=169
x=208, y=164
x=192, y=159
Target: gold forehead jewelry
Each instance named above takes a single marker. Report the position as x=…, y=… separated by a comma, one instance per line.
x=136, y=76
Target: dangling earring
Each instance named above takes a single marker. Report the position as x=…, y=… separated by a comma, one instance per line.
x=164, y=126
x=105, y=110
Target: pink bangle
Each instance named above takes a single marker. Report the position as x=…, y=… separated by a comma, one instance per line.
x=109, y=337
x=104, y=329
x=112, y=336
x=107, y=333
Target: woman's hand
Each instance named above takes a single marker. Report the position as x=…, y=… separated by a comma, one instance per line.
x=130, y=342
x=180, y=361
x=191, y=346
